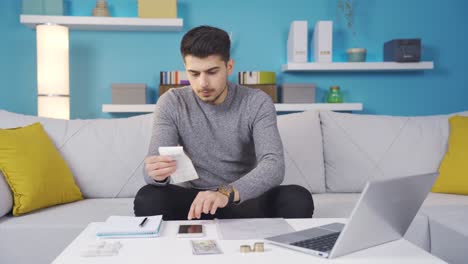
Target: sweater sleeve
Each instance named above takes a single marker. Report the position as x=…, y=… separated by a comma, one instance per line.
x=164, y=131
x=269, y=171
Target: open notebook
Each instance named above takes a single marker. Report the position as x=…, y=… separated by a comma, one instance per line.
x=129, y=226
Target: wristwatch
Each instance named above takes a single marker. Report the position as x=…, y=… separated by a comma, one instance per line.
x=227, y=190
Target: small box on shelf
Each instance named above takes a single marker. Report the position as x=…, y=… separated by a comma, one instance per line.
x=128, y=93
x=166, y=87
x=269, y=89
x=43, y=7
x=294, y=93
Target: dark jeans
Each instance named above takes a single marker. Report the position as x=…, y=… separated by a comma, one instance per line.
x=173, y=202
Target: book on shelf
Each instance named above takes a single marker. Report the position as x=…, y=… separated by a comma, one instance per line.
x=173, y=77
x=256, y=77
x=130, y=227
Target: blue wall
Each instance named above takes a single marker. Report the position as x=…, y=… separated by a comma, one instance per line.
x=260, y=29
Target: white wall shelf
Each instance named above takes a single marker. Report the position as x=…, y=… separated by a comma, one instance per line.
x=148, y=108
x=106, y=23
x=359, y=66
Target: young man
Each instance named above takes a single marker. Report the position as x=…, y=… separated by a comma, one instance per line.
x=230, y=134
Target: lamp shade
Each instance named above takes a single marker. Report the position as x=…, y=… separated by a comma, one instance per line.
x=53, y=71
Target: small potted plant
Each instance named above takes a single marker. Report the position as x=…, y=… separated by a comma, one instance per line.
x=347, y=9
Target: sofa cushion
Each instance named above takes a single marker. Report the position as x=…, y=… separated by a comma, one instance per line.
x=449, y=232
x=359, y=148
x=105, y=155
x=303, y=152
x=334, y=205
x=56, y=226
x=34, y=170
x=6, y=199
x=454, y=167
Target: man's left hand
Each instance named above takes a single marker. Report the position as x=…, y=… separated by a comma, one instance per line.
x=207, y=202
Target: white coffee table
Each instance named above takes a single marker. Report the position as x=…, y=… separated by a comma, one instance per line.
x=169, y=249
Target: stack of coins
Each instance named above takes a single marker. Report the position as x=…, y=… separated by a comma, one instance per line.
x=257, y=247
x=101, y=9
x=245, y=249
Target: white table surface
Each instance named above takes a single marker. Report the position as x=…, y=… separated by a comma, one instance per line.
x=169, y=249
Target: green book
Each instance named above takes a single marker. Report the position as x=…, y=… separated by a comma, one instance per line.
x=265, y=77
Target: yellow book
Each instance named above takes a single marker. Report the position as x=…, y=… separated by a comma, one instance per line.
x=157, y=8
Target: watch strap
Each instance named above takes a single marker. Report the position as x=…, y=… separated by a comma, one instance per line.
x=228, y=191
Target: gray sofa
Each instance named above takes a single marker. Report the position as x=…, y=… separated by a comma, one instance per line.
x=331, y=154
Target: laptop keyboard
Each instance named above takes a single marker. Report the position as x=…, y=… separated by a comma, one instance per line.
x=323, y=243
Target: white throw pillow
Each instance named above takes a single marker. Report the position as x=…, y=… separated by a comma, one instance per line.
x=303, y=150
x=359, y=148
x=6, y=199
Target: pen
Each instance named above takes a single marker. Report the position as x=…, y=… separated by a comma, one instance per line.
x=143, y=222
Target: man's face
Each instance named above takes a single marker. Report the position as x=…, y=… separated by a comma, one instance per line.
x=208, y=77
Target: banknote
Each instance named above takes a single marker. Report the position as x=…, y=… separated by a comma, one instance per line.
x=203, y=247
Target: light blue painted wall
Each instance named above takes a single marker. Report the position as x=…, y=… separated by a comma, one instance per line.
x=259, y=28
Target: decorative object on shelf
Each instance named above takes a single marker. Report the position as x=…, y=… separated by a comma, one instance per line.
x=53, y=98
x=323, y=41
x=128, y=93
x=356, y=54
x=334, y=95
x=294, y=93
x=157, y=8
x=101, y=9
x=346, y=7
x=403, y=50
x=297, y=42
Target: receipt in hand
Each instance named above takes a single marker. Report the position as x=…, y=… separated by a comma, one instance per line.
x=185, y=170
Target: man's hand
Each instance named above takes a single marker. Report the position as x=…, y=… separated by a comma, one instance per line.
x=207, y=202
x=160, y=167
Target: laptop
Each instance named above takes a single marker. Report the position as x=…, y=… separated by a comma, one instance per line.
x=382, y=214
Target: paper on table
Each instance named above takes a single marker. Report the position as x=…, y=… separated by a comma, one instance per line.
x=255, y=228
x=185, y=170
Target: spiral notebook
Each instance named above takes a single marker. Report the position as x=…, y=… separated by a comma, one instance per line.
x=129, y=227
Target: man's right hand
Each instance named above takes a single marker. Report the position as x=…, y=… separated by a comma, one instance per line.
x=160, y=167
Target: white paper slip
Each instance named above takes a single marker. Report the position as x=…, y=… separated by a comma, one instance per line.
x=185, y=170
x=255, y=228
x=129, y=226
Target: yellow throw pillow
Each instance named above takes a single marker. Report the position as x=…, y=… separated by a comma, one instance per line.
x=34, y=169
x=453, y=170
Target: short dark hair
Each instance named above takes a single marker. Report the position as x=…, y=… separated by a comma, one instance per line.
x=204, y=41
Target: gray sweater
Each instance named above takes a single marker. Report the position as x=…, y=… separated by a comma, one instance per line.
x=236, y=142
